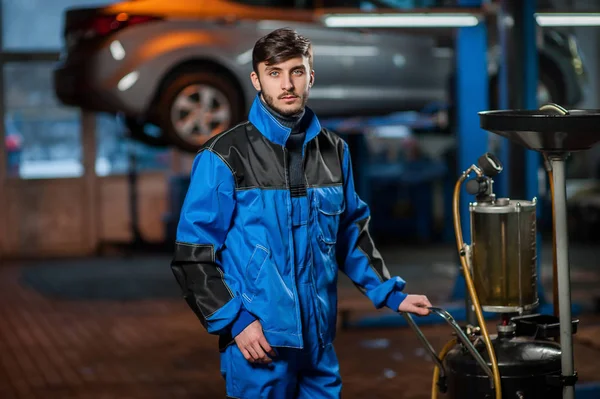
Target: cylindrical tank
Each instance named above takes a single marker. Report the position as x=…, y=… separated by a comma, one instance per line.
x=504, y=255
x=526, y=367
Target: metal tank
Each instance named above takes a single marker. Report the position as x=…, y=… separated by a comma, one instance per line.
x=503, y=235
x=530, y=368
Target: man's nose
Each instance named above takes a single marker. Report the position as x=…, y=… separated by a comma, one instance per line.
x=286, y=83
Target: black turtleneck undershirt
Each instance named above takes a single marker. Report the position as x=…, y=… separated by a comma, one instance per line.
x=294, y=146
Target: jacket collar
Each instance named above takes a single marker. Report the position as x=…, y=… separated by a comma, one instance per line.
x=266, y=123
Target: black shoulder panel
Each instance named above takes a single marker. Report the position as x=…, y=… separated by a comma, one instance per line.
x=257, y=162
x=254, y=160
x=323, y=163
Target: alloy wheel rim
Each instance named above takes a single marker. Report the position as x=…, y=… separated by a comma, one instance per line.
x=200, y=111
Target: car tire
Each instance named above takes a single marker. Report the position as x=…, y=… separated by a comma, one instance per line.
x=137, y=132
x=178, y=100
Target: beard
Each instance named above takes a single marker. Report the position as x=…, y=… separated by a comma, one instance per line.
x=290, y=111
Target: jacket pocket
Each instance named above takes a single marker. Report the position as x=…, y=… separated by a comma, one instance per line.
x=329, y=207
x=255, y=265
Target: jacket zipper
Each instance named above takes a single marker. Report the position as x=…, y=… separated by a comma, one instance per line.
x=291, y=238
x=314, y=286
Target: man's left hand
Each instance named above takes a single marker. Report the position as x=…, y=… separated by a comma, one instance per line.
x=417, y=304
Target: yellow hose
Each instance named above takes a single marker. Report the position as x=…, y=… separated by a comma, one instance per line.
x=436, y=370
x=471, y=286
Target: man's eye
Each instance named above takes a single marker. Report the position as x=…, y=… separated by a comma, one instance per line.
x=274, y=73
x=298, y=72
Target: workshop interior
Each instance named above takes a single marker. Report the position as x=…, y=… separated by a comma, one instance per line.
x=473, y=128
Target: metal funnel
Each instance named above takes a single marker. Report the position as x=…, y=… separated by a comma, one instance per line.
x=549, y=129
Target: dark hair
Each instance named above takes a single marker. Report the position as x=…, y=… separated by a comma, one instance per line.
x=279, y=46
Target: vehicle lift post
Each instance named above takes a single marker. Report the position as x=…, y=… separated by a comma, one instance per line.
x=517, y=89
x=471, y=91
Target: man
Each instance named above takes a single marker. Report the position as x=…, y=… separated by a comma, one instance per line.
x=270, y=215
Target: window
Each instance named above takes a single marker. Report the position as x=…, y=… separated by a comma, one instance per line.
x=42, y=136
x=37, y=24
x=114, y=149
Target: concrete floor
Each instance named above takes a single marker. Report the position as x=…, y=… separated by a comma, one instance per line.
x=115, y=327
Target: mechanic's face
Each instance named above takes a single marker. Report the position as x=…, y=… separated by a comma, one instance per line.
x=285, y=86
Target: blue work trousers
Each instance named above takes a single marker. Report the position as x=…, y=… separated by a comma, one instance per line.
x=311, y=372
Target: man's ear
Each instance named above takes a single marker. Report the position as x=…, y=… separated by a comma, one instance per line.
x=311, y=82
x=255, y=81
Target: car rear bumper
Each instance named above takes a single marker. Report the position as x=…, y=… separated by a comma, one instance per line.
x=76, y=86
x=71, y=88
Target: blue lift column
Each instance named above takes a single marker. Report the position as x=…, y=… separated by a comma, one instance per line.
x=471, y=141
x=471, y=91
x=533, y=159
x=500, y=146
x=519, y=91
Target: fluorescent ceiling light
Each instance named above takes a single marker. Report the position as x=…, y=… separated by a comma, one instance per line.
x=345, y=51
x=403, y=20
x=568, y=19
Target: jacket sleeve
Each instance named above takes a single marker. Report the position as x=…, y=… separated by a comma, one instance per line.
x=203, y=225
x=357, y=255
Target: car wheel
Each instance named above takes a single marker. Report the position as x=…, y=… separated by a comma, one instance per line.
x=137, y=131
x=194, y=106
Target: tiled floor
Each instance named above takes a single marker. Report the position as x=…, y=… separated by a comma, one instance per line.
x=116, y=328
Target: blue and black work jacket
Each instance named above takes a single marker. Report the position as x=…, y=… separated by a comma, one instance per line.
x=234, y=255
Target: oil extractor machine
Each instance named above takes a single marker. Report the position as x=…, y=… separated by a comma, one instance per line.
x=531, y=355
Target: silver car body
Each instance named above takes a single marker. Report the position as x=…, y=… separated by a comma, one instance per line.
x=356, y=71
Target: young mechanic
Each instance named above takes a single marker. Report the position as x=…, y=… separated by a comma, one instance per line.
x=270, y=216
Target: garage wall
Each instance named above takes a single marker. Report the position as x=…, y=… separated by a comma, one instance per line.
x=56, y=218
x=114, y=213
x=46, y=218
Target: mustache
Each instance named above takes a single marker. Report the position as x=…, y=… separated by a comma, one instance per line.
x=287, y=95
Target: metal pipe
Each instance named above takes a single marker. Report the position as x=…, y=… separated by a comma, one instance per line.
x=425, y=343
x=459, y=333
x=562, y=264
x=465, y=340
x=467, y=273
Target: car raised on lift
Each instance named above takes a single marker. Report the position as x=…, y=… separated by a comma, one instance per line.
x=184, y=65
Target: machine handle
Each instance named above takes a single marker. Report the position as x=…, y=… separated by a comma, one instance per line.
x=425, y=343
x=461, y=335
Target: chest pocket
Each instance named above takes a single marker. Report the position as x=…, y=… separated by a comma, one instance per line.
x=329, y=206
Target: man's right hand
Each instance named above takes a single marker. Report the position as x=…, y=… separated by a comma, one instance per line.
x=254, y=345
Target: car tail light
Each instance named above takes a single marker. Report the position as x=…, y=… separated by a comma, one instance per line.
x=87, y=27
x=103, y=25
